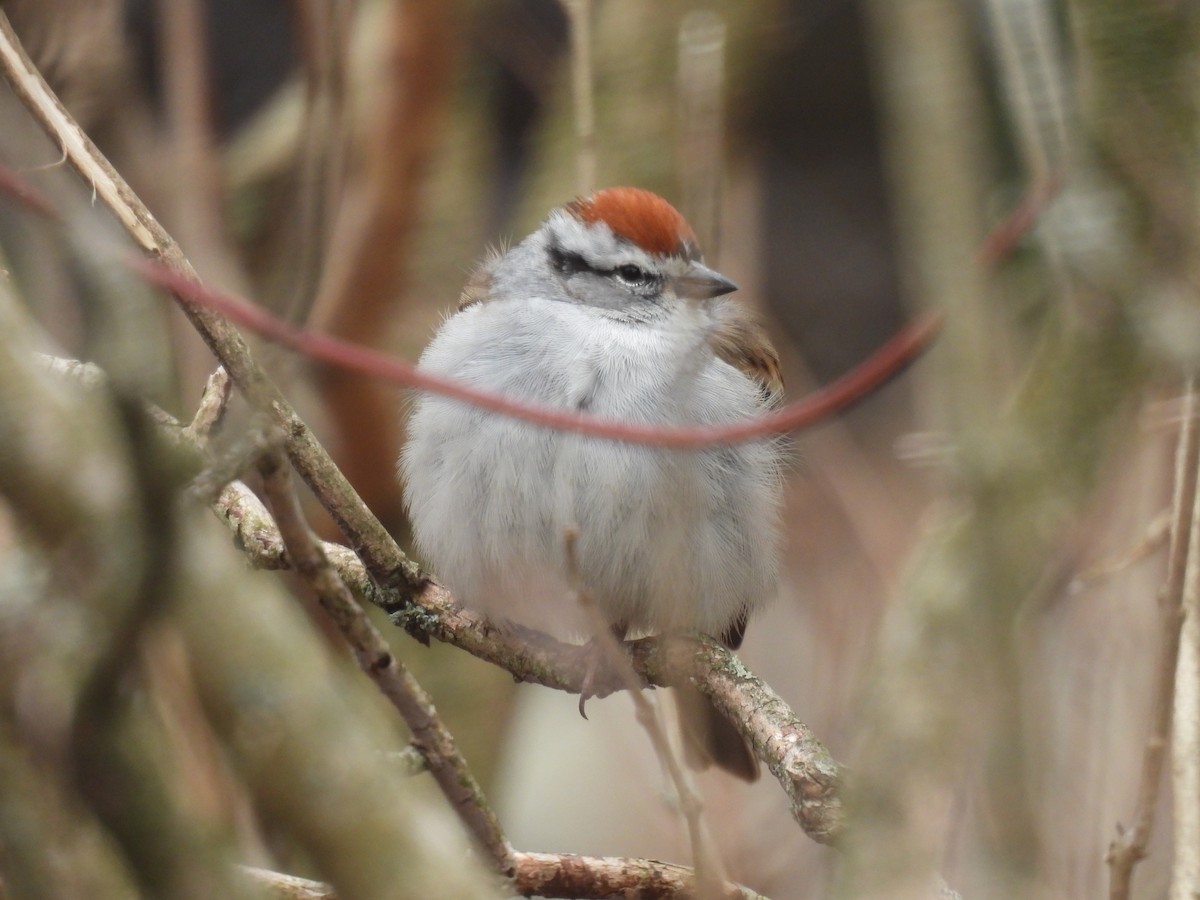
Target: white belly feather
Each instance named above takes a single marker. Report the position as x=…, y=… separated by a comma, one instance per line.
x=667, y=540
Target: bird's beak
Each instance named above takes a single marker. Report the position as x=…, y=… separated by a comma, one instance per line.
x=700, y=283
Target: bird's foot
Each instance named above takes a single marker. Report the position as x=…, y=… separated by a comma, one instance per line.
x=601, y=674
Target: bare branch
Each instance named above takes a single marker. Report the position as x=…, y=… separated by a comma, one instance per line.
x=1182, y=566
x=585, y=877
x=564, y=876
x=375, y=658
x=288, y=887
x=1185, y=730
x=809, y=776
x=213, y=403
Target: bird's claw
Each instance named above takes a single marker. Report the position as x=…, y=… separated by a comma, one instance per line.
x=597, y=674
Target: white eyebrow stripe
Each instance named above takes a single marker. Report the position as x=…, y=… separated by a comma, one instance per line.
x=596, y=244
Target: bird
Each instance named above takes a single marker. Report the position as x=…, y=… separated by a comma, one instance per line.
x=606, y=308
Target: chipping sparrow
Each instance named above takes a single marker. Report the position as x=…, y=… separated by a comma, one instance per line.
x=605, y=308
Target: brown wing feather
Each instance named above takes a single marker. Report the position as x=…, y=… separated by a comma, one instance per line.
x=477, y=289
x=740, y=340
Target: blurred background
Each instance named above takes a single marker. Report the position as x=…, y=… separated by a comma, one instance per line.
x=972, y=555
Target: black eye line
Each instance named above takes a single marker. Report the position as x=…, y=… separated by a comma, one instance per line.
x=567, y=263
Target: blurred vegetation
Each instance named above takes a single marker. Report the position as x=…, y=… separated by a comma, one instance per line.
x=968, y=611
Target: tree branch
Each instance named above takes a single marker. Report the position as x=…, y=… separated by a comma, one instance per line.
x=560, y=875
x=376, y=659
x=1129, y=846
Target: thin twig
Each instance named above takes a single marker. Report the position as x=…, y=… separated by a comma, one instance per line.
x=1003, y=238
x=710, y=871
x=562, y=875
x=210, y=412
x=1130, y=844
x=1185, y=731
x=31, y=89
x=375, y=658
x=256, y=440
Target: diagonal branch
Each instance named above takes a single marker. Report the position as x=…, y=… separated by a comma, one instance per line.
x=375, y=657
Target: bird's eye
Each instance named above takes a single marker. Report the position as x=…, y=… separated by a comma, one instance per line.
x=634, y=276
